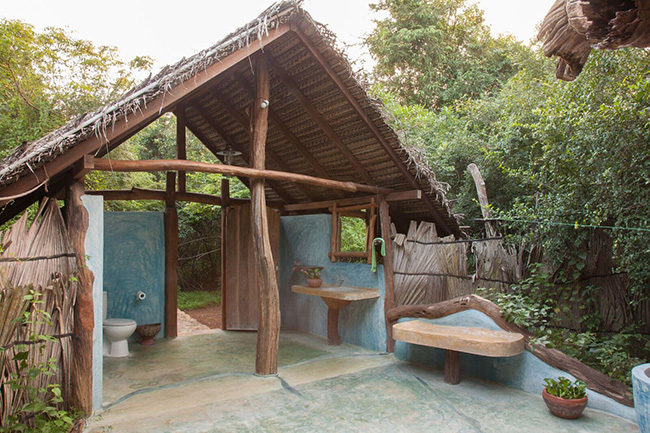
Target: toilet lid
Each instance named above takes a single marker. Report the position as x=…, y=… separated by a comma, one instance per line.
x=119, y=322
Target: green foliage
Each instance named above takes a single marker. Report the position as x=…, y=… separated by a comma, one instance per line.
x=48, y=78
x=312, y=272
x=564, y=388
x=42, y=410
x=198, y=299
x=434, y=52
x=353, y=234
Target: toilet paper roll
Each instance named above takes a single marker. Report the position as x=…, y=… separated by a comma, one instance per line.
x=141, y=295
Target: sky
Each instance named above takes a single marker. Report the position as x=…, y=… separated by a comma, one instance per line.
x=169, y=30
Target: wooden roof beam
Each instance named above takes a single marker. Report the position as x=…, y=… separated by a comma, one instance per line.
x=129, y=166
x=318, y=118
x=245, y=156
x=245, y=125
x=392, y=154
x=351, y=201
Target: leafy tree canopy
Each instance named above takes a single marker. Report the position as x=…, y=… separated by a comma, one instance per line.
x=48, y=78
x=434, y=52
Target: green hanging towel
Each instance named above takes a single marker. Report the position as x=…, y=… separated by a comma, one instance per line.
x=383, y=252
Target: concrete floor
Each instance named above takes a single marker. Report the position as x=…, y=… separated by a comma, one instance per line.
x=204, y=383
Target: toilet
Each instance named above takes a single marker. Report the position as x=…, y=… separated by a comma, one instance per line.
x=116, y=334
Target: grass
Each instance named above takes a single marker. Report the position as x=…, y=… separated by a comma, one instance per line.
x=199, y=299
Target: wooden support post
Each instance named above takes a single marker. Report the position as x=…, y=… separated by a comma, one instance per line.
x=181, y=150
x=84, y=318
x=171, y=258
x=389, y=272
x=452, y=367
x=225, y=201
x=268, y=325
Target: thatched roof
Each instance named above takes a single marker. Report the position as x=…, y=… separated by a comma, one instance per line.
x=322, y=121
x=572, y=28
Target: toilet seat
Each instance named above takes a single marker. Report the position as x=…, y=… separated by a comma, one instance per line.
x=119, y=322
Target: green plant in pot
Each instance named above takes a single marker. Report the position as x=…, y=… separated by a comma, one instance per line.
x=313, y=275
x=565, y=399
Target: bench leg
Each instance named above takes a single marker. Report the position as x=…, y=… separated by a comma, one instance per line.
x=452, y=367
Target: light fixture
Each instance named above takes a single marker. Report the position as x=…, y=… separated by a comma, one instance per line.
x=228, y=155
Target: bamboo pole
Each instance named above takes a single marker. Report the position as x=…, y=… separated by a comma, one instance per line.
x=231, y=170
x=181, y=148
x=268, y=324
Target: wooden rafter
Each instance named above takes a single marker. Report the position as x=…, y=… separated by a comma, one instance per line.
x=318, y=118
x=390, y=151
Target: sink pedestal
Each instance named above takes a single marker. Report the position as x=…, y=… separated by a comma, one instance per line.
x=336, y=297
x=333, y=308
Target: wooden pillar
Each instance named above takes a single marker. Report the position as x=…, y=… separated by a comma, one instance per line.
x=225, y=202
x=181, y=150
x=81, y=377
x=389, y=271
x=171, y=258
x=268, y=325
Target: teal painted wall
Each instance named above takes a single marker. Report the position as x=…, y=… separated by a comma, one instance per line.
x=94, y=244
x=306, y=238
x=134, y=260
x=524, y=371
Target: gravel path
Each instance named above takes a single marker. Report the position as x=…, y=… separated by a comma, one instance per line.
x=189, y=326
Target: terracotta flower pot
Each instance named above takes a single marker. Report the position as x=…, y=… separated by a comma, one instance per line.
x=314, y=282
x=564, y=408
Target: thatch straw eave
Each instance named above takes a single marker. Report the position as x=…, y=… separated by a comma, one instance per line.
x=322, y=121
x=572, y=28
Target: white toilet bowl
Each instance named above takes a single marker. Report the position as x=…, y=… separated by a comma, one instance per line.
x=116, y=334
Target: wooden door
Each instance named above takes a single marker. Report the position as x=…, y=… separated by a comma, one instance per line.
x=238, y=274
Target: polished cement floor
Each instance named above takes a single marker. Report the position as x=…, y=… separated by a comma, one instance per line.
x=204, y=383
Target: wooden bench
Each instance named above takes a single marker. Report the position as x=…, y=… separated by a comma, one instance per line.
x=455, y=339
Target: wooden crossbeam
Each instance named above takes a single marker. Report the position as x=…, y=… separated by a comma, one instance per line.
x=392, y=197
x=231, y=170
x=318, y=118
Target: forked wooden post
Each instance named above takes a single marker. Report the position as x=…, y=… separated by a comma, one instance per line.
x=171, y=258
x=81, y=377
x=268, y=324
x=389, y=272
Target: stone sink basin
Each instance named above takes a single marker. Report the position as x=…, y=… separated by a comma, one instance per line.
x=345, y=293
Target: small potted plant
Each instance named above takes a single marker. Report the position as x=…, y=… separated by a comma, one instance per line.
x=565, y=399
x=313, y=275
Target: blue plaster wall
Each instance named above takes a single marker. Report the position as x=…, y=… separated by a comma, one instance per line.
x=306, y=238
x=134, y=260
x=524, y=371
x=94, y=245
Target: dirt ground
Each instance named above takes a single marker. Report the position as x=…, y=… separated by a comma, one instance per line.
x=209, y=316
